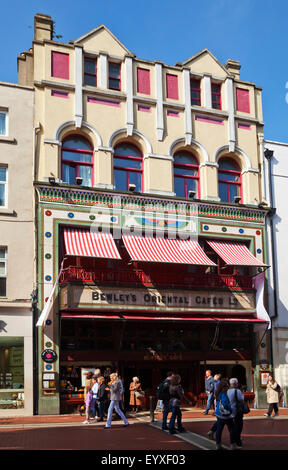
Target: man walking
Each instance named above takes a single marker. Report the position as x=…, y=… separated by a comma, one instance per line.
x=209, y=388
x=164, y=394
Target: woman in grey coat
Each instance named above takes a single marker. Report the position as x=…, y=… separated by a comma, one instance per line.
x=116, y=390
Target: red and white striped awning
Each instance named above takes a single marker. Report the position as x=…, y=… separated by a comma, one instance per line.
x=81, y=242
x=163, y=250
x=234, y=253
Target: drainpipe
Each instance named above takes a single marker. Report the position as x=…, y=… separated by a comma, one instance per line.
x=269, y=155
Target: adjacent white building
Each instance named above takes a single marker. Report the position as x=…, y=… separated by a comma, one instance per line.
x=276, y=185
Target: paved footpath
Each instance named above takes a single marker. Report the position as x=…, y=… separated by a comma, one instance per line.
x=67, y=432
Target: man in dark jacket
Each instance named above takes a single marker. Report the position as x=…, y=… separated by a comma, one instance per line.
x=209, y=388
x=164, y=394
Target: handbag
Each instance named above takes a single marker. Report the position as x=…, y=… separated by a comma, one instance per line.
x=139, y=394
x=242, y=407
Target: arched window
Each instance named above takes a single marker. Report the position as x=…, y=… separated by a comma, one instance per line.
x=186, y=174
x=229, y=180
x=128, y=167
x=77, y=161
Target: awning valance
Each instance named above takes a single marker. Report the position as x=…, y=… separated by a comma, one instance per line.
x=163, y=250
x=236, y=254
x=80, y=242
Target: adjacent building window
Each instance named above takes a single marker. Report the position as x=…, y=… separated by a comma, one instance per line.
x=77, y=161
x=229, y=180
x=128, y=167
x=242, y=100
x=3, y=186
x=114, y=76
x=60, y=65
x=195, y=92
x=216, y=95
x=143, y=81
x=186, y=175
x=90, y=71
x=3, y=271
x=172, y=86
x=3, y=123
x=11, y=372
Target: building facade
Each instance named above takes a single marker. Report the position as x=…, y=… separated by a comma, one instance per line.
x=276, y=173
x=151, y=240
x=17, y=244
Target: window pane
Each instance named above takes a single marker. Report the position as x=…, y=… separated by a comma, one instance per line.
x=2, y=253
x=114, y=70
x=85, y=172
x=228, y=164
x=185, y=171
x=2, y=195
x=234, y=190
x=127, y=163
x=120, y=180
x=185, y=157
x=68, y=174
x=2, y=174
x=2, y=268
x=192, y=186
x=223, y=194
x=77, y=156
x=135, y=178
x=228, y=176
x=90, y=80
x=114, y=83
x=2, y=287
x=2, y=123
x=90, y=66
x=127, y=151
x=179, y=187
x=77, y=143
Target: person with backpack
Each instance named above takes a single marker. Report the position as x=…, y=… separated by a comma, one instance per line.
x=163, y=394
x=236, y=400
x=224, y=415
x=273, y=391
x=176, y=395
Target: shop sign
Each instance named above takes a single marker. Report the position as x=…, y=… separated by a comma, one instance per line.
x=155, y=299
x=48, y=355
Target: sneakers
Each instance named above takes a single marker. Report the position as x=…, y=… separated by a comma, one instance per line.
x=267, y=416
x=210, y=435
x=86, y=422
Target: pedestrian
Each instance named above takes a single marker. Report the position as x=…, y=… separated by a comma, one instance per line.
x=135, y=398
x=101, y=397
x=88, y=384
x=94, y=405
x=176, y=395
x=272, y=391
x=217, y=379
x=223, y=414
x=116, y=391
x=163, y=394
x=88, y=405
x=209, y=388
x=236, y=398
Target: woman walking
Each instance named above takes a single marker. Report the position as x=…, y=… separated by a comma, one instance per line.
x=176, y=395
x=135, y=399
x=272, y=397
x=116, y=390
x=224, y=415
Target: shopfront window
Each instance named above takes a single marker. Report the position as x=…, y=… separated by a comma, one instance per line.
x=11, y=372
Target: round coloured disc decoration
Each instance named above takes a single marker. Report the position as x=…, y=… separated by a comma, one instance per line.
x=48, y=355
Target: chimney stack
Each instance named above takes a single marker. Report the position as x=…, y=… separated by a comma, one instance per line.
x=43, y=27
x=233, y=68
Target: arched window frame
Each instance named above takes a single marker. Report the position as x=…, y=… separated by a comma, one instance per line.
x=230, y=182
x=185, y=176
x=77, y=163
x=130, y=159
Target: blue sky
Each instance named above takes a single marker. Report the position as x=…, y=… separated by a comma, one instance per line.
x=254, y=32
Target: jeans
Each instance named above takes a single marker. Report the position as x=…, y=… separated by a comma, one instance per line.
x=94, y=408
x=166, y=410
x=272, y=406
x=176, y=413
x=220, y=426
x=238, y=426
x=210, y=401
x=114, y=404
x=101, y=408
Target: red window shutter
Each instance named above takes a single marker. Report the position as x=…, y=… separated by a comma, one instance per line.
x=143, y=81
x=60, y=65
x=243, y=101
x=172, y=86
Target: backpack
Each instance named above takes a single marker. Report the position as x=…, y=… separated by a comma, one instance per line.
x=280, y=392
x=224, y=405
x=163, y=391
